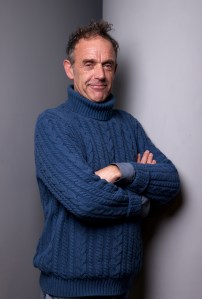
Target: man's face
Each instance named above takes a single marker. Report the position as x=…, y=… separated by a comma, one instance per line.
x=93, y=69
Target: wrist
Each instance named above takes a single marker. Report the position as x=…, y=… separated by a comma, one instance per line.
x=126, y=172
x=116, y=172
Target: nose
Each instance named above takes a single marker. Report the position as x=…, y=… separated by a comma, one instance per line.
x=99, y=72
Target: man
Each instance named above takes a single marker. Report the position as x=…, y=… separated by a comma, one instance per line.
x=97, y=173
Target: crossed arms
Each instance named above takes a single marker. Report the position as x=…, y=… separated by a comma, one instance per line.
x=112, y=173
x=63, y=174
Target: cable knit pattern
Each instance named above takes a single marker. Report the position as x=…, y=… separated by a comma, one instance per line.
x=91, y=241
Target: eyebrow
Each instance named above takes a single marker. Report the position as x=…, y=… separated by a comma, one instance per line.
x=89, y=60
x=111, y=61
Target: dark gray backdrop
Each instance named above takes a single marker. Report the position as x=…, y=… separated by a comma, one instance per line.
x=33, y=37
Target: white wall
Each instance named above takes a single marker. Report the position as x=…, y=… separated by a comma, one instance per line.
x=33, y=37
x=159, y=82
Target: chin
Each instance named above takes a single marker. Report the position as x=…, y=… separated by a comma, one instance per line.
x=98, y=98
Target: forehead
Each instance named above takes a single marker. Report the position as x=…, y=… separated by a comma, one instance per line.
x=94, y=47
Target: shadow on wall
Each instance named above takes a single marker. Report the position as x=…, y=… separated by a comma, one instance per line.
x=121, y=84
x=158, y=215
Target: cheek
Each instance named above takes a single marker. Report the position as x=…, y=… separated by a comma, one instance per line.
x=110, y=77
x=85, y=74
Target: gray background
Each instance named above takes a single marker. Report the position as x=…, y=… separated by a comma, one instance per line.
x=158, y=81
x=33, y=36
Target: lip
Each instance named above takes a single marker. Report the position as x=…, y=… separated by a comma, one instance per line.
x=98, y=86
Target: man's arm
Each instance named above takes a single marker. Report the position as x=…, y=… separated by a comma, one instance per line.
x=155, y=177
x=62, y=169
x=159, y=180
x=112, y=173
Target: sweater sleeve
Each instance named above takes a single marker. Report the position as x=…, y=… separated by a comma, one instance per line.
x=63, y=170
x=158, y=182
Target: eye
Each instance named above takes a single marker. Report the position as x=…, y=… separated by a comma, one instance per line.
x=108, y=66
x=88, y=64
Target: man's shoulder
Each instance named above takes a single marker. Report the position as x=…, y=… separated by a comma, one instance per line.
x=123, y=114
x=54, y=121
x=53, y=113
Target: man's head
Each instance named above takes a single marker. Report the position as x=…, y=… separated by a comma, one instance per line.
x=91, y=60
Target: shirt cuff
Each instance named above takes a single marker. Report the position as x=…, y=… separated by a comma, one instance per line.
x=127, y=172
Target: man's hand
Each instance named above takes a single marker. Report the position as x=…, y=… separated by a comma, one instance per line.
x=147, y=158
x=111, y=173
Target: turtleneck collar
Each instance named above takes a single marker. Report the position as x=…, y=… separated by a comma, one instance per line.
x=81, y=105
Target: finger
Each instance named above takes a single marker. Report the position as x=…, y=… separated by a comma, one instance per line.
x=153, y=162
x=145, y=157
x=150, y=158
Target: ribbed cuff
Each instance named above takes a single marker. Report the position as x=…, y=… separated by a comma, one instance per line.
x=141, y=180
x=127, y=172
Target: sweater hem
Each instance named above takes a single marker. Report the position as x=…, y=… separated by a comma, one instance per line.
x=60, y=287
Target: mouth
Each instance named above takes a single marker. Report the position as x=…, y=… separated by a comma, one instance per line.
x=98, y=86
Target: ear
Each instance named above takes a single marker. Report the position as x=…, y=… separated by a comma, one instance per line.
x=68, y=69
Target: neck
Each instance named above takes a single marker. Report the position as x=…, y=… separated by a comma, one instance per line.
x=83, y=106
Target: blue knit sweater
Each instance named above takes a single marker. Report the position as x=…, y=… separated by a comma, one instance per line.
x=91, y=241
